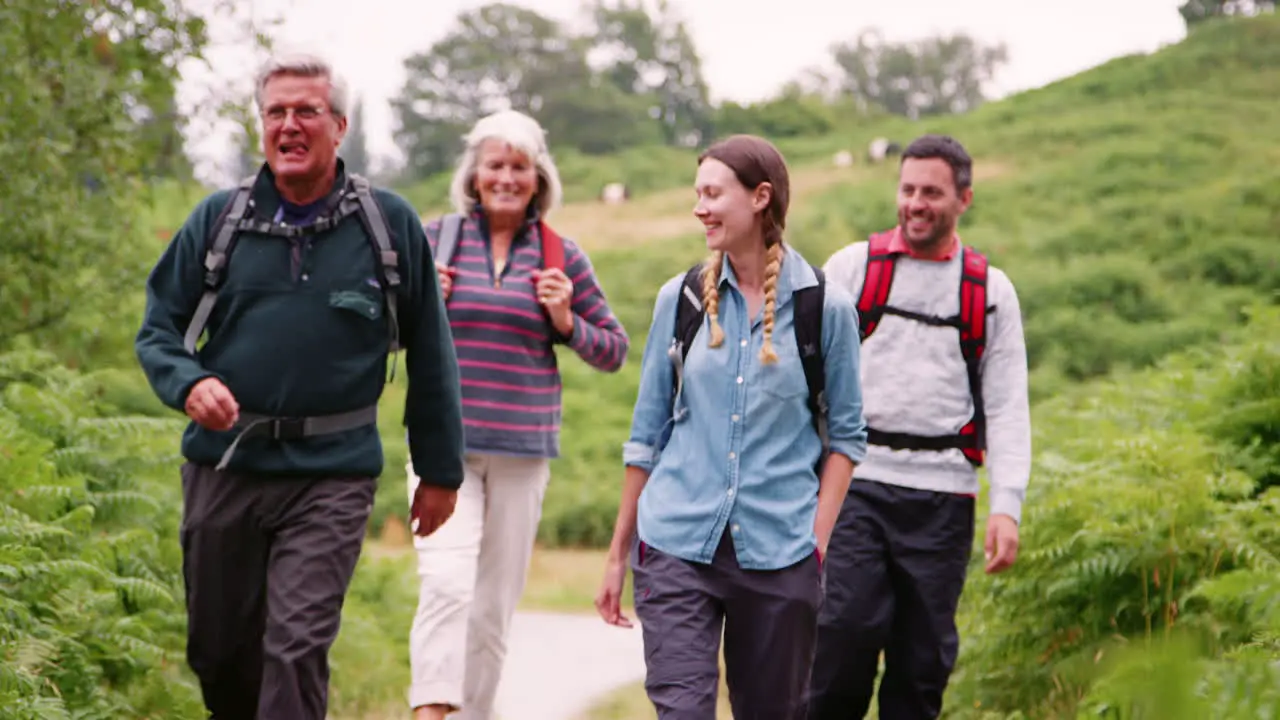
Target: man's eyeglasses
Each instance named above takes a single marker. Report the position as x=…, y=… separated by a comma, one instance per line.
x=303, y=113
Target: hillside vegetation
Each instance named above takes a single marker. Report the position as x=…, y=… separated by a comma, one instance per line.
x=1134, y=206
x=1148, y=584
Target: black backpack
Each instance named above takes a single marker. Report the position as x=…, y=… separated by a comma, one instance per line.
x=808, y=330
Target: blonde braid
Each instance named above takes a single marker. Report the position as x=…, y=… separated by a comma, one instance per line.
x=711, y=296
x=771, y=269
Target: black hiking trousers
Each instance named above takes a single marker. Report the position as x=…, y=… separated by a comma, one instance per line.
x=267, y=562
x=896, y=566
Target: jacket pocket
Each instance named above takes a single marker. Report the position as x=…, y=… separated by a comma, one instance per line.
x=355, y=301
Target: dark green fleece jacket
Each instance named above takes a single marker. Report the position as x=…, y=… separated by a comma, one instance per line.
x=299, y=329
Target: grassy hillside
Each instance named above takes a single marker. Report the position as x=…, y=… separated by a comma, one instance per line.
x=1134, y=206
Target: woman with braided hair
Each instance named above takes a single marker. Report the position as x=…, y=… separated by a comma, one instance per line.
x=730, y=496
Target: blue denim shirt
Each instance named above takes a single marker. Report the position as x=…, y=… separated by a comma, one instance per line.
x=742, y=445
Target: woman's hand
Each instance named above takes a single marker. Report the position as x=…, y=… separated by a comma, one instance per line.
x=609, y=598
x=555, y=293
x=445, y=274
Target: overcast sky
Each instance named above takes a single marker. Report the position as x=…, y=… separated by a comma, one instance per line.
x=749, y=48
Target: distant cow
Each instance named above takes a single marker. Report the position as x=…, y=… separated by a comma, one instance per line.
x=843, y=159
x=881, y=148
x=615, y=193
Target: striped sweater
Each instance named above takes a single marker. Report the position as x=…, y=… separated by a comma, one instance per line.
x=504, y=340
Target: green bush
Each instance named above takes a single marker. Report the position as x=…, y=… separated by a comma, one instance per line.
x=1140, y=528
x=90, y=584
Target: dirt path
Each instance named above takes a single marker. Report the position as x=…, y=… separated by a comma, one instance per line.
x=559, y=665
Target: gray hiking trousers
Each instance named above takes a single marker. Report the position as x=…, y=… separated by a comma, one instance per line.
x=267, y=562
x=769, y=620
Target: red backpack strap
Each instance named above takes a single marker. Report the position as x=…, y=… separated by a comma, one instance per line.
x=973, y=342
x=552, y=247
x=876, y=281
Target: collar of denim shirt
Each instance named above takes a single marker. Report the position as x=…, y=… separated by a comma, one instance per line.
x=796, y=274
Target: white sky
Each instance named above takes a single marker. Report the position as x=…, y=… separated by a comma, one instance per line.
x=749, y=48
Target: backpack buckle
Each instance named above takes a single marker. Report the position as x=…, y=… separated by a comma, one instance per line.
x=288, y=428
x=214, y=262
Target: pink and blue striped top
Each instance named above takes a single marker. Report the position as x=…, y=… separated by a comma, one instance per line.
x=504, y=339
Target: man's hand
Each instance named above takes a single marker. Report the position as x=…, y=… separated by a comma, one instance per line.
x=211, y=405
x=1001, y=544
x=432, y=506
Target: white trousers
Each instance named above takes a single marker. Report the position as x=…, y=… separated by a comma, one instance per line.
x=471, y=572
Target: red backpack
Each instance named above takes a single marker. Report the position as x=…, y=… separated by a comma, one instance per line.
x=450, y=229
x=971, y=325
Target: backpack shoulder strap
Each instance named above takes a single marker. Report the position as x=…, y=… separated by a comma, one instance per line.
x=447, y=243
x=809, y=303
x=552, y=247
x=876, y=282
x=689, y=309
x=376, y=228
x=973, y=303
x=216, y=256
x=973, y=340
x=689, y=314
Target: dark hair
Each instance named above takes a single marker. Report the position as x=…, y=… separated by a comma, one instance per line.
x=755, y=160
x=946, y=148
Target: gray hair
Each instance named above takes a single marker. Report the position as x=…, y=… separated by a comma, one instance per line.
x=520, y=132
x=304, y=65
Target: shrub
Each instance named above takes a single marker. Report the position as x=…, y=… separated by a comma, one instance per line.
x=1140, y=528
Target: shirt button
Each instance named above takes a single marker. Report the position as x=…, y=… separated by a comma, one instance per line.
x=734, y=418
x=735, y=528
x=743, y=343
x=732, y=455
x=305, y=277
x=730, y=492
x=739, y=379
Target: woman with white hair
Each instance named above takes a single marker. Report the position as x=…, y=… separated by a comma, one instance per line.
x=509, y=303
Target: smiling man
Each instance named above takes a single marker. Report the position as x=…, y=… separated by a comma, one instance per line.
x=944, y=381
x=307, y=279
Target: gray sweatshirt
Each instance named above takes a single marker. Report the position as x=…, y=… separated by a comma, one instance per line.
x=914, y=380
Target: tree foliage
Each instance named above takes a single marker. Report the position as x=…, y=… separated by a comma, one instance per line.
x=940, y=75
x=651, y=55
x=355, y=148
x=88, y=112
x=650, y=89
x=1194, y=12
x=496, y=56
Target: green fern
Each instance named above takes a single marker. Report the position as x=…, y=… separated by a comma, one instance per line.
x=91, y=616
x=1143, y=536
